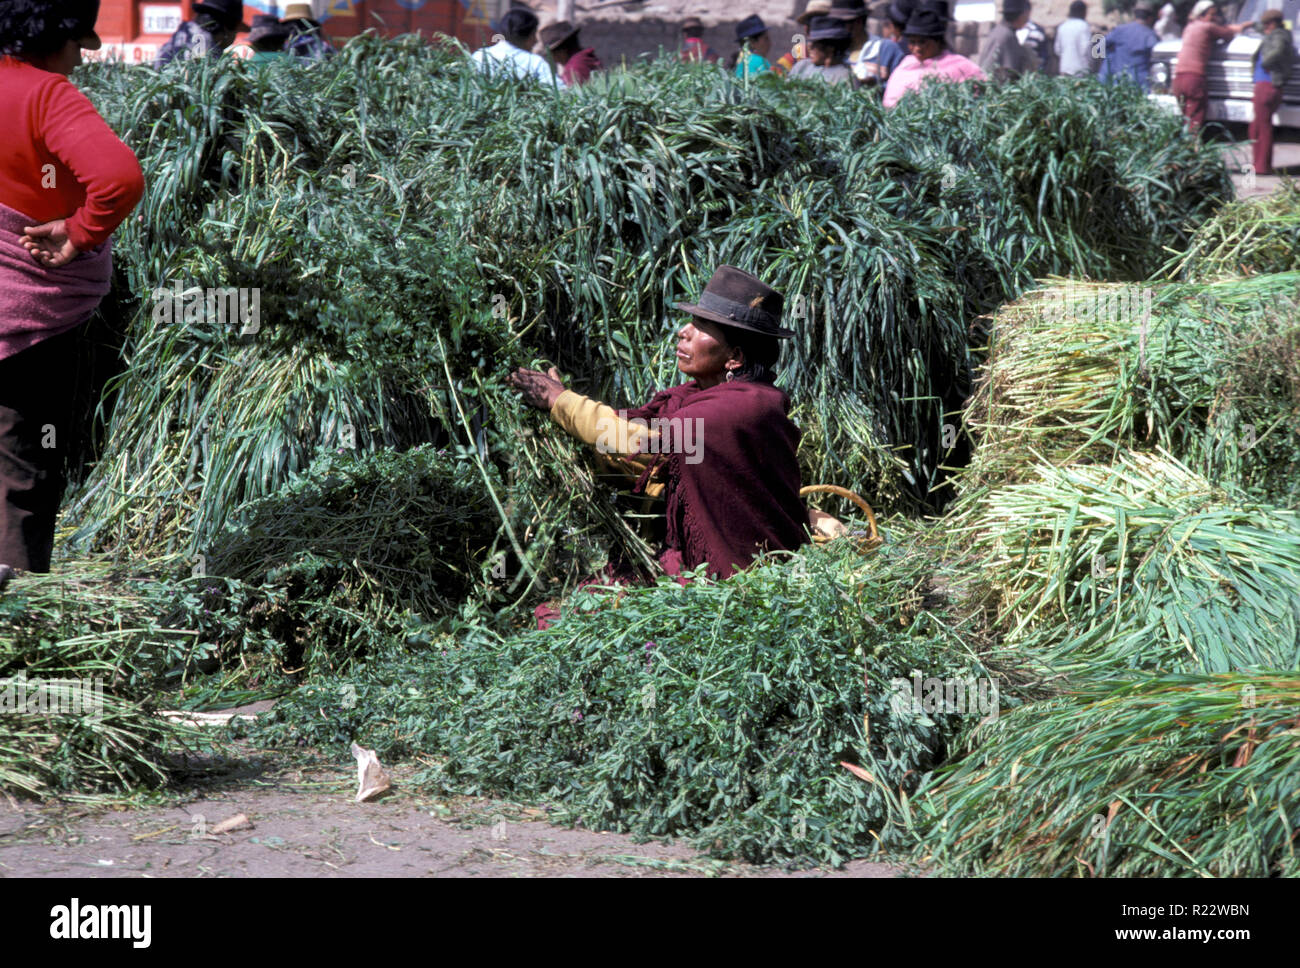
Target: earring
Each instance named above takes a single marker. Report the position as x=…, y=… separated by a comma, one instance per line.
x=731, y=375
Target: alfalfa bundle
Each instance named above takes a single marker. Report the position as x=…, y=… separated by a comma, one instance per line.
x=719, y=711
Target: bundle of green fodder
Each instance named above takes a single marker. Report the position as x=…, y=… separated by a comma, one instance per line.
x=718, y=711
x=80, y=660
x=1162, y=775
x=1138, y=565
x=1156, y=606
x=1077, y=370
x=1244, y=238
x=1100, y=174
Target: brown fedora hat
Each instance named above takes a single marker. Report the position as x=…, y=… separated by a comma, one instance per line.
x=735, y=298
x=815, y=8
x=553, y=35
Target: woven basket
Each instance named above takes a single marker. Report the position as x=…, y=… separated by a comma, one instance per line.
x=866, y=542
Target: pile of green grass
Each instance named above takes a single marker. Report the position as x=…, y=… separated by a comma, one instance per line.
x=1209, y=372
x=1158, y=776
x=1132, y=551
x=720, y=712
x=99, y=629
x=412, y=242
x=1249, y=237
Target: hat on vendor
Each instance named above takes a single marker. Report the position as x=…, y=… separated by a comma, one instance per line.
x=737, y=299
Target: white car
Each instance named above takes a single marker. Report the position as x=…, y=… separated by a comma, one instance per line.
x=1229, y=75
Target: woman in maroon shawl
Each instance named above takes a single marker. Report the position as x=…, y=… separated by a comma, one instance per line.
x=721, y=448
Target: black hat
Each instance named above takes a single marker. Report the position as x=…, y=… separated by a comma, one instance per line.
x=265, y=27
x=229, y=12
x=1014, y=8
x=900, y=11
x=735, y=298
x=848, y=9
x=81, y=17
x=751, y=26
x=828, y=28
x=518, y=22
x=929, y=19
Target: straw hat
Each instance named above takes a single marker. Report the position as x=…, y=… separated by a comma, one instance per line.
x=816, y=8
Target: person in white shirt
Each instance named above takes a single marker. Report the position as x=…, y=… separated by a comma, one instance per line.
x=513, y=52
x=1074, y=42
x=1167, y=27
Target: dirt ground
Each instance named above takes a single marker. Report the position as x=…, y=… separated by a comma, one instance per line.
x=1286, y=162
x=305, y=823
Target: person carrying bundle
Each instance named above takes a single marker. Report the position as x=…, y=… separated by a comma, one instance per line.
x=828, y=43
x=66, y=182
x=925, y=34
x=214, y=28
x=719, y=449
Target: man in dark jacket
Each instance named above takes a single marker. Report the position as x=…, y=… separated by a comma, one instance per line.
x=575, y=61
x=213, y=29
x=1273, y=64
x=1002, y=57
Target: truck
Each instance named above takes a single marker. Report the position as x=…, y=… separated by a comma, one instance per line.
x=133, y=30
x=1229, y=76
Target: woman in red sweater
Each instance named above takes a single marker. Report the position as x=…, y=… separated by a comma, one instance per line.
x=66, y=182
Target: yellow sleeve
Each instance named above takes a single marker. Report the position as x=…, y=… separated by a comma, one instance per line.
x=615, y=439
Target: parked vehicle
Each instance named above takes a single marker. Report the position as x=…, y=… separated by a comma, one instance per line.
x=1229, y=77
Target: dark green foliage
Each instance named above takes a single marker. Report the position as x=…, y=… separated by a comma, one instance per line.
x=411, y=241
x=413, y=527
x=718, y=710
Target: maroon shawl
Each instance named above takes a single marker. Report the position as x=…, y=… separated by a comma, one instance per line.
x=742, y=498
x=37, y=302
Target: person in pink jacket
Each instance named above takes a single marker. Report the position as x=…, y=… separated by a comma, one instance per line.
x=928, y=53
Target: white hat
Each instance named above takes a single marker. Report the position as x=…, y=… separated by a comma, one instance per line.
x=1201, y=7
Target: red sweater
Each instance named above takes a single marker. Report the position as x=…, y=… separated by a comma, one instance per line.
x=1198, y=42
x=95, y=180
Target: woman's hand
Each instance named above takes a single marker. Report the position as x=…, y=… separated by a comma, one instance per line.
x=538, y=389
x=49, y=244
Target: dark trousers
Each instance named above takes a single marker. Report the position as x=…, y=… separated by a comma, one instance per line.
x=37, y=387
x=1266, y=100
x=1191, y=94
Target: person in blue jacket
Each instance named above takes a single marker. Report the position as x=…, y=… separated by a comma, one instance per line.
x=1128, y=49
